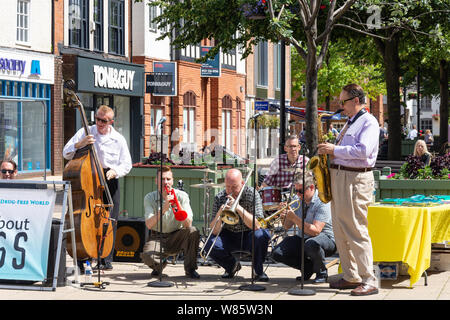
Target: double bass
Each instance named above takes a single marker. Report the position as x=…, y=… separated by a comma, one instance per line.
x=91, y=199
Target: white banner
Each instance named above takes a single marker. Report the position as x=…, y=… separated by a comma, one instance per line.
x=25, y=226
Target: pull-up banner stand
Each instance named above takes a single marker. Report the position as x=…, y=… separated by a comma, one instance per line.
x=26, y=212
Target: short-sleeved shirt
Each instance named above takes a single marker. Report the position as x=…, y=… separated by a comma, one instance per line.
x=277, y=177
x=169, y=223
x=317, y=210
x=246, y=202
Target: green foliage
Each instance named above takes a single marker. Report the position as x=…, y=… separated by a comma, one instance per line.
x=339, y=69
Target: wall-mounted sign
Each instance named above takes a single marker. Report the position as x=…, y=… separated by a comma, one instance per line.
x=212, y=67
x=159, y=83
x=261, y=105
x=103, y=76
x=163, y=79
x=29, y=67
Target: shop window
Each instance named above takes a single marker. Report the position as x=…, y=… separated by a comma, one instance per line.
x=189, y=106
x=227, y=104
x=23, y=18
x=116, y=27
x=79, y=23
x=98, y=22
x=23, y=133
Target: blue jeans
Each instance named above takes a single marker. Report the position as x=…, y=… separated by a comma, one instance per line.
x=316, y=249
x=228, y=241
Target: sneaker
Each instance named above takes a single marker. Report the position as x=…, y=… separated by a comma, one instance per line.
x=229, y=275
x=321, y=277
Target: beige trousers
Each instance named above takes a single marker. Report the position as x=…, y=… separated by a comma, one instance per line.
x=352, y=193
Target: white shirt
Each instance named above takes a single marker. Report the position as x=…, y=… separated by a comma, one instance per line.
x=412, y=134
x=111, y=148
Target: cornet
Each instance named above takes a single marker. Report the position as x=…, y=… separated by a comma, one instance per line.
x=264, y=222
x=180, y=215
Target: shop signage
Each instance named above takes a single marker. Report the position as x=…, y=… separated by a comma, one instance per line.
x=212, y=67
x=103, y=76
x=163, y=80
x=28, y=67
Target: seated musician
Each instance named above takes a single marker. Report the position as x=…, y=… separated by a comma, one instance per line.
x=232, y=236
x=319, y=237
x=176, y=235
x=276, y=176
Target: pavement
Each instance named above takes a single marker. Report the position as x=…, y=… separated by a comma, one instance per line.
x=129, y=282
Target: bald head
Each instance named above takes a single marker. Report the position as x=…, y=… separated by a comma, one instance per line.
x=233, y=182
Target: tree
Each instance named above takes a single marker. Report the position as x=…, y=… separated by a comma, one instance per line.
x=339, y=69
x=306, y=25
x=396, y=21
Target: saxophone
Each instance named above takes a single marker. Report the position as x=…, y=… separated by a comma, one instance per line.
x=319, y=166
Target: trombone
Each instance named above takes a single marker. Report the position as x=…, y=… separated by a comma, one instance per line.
x=228, y=216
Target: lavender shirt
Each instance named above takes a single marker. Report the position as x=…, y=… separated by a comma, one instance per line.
x=359, y=146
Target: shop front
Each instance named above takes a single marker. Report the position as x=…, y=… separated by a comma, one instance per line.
x=119, y=85
x=26, y=79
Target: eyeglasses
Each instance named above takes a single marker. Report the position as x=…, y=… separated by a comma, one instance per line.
x=293, y=146
x=4, y=171
x=102, y=120
x=299, y=191
x=344, y=101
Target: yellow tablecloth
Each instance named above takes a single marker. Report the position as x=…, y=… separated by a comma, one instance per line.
x=406, y=233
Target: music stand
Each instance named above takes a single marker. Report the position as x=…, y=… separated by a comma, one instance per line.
x=302, y=291
x=159, y=283
x=253, y=286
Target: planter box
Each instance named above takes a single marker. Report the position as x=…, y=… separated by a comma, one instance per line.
x=391, y=188
x=141, y=180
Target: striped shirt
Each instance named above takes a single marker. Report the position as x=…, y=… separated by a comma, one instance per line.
x=276, y=177
x=245, y=201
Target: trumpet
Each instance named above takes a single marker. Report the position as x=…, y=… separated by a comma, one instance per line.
x=264, y=222
x=180, y=215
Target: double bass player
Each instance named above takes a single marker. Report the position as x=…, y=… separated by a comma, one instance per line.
x=114, y=157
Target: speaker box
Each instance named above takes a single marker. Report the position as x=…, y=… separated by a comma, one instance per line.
x=130, y=239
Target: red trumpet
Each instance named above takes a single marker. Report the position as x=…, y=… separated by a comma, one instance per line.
x=179, y=214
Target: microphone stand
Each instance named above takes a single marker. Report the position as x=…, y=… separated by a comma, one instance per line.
x=160, y=283
x=302, y=291
x=253, y=286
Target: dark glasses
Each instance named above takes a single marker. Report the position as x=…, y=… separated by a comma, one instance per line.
x=7, y=171
x=344, y=101
x=102, y=120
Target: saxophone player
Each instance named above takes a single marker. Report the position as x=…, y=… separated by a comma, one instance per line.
x=319, y=238
x=352, y=185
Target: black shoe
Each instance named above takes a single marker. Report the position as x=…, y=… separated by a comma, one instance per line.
x=307, y=277
x=321, y=278
x=193, y=274
x=262, y=277
x=229, y=275
x=155, y=273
